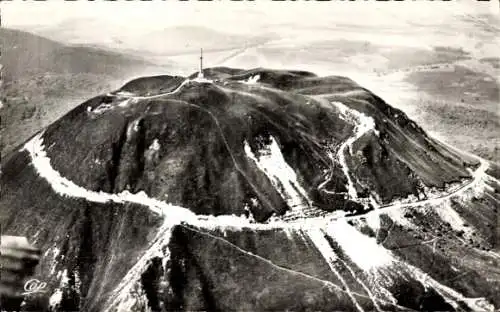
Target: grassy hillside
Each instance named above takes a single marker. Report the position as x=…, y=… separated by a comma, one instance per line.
x=461, y=106
x=43, y=79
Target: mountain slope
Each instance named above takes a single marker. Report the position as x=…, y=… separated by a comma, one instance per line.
x=254, y=189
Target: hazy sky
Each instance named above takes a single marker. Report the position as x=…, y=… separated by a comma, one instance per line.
x=137, y=25
x=241, y=17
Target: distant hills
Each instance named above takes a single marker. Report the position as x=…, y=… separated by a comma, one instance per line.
x=43, y=79
x=24, y=54
x=166, y=41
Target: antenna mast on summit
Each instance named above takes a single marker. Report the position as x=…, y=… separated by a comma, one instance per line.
x=200, y=74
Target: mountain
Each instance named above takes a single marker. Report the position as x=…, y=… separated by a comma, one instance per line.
x=43, y=79
x=252, y=190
